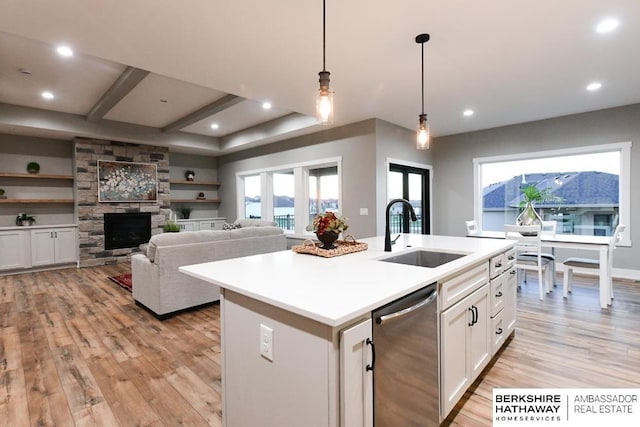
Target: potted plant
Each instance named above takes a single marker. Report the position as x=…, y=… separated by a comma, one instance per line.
x=189, y=175
x=171, y=227
x=531, y=195
x=23, y=219
x=33, y=167
x=328, y=227
x=185, y=211
x=2, y=196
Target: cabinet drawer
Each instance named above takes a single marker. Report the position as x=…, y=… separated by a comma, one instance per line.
x=456, y=288
x=496, y=265
x=509, y=258
x=497, y=294
x=498, y=332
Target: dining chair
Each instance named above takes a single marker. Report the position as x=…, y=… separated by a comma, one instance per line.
x=549, y=229
x=587, y=263
x=529, y=253
x=472, y=227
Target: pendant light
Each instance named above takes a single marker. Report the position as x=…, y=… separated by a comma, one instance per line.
x=324, y=103
x=422, y=138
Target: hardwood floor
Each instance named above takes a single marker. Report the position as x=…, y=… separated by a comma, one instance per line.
x=76, y=350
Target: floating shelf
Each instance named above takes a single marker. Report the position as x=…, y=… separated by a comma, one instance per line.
x=207, y=183
x=35, y=176
x=36, y=201
x=195, y=201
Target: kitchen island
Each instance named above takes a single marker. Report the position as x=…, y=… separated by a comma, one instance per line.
x=294, y=327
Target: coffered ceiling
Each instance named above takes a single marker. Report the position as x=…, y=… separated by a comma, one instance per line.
x=162, y=72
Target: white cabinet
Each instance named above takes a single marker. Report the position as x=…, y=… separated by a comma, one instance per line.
x=201, y=224
x=53, y=246
x=465, y=345
x=13, y=249
x=356, y=376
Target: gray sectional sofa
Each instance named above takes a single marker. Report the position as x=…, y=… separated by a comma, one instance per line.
x=161, y=288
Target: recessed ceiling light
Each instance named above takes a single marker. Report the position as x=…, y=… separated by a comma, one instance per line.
x=468, y=112
x=266, y=105
x=594, y=86
x=47, y=95
x=64, y=51
x=215, y=126
x=607, y=25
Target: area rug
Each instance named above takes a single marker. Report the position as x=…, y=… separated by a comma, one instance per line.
x=123, y=280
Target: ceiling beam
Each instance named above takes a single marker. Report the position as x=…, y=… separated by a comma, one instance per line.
x=118, y=90
x=215, y=107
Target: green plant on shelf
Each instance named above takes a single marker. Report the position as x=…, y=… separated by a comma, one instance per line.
x=186, y=212
x=171, y=227
x=33, y=167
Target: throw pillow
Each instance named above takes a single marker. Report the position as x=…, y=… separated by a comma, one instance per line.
x=230, y=226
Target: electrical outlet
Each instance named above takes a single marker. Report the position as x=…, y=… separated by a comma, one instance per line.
x=364, y=211
x=266, y=342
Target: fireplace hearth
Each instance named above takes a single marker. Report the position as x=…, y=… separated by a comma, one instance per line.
x=126, y=230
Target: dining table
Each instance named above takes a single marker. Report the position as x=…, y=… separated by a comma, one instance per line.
x=600, y=244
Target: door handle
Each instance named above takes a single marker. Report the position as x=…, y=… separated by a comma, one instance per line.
x=373, y=355
x=408, y=310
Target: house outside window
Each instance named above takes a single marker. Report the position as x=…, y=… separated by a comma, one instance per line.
x=589, y=188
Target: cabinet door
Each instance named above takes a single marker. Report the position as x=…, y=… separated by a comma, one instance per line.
x=65, y=245
x=42, y=247
x=456, y=373
x=356, y=382
x=510, y=300
x=12, y=249
x=189, y=226
x=480, y=340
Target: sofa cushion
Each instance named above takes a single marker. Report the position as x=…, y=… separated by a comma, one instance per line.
x=170, y=239
x=246, y=232
x=254, y=223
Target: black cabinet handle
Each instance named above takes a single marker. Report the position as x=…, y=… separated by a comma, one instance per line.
x=499, y=294
x=512, y=272
x=474, y=315
x=499, y=331
x=373, y=355
x=498, y=265
x=511, y=258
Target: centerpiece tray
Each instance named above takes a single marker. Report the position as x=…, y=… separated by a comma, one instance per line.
x=343, y=247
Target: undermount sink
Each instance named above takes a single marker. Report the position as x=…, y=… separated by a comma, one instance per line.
x=423, y=258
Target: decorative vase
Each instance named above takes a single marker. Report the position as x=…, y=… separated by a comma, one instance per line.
x=529, y=216
x=328, y=238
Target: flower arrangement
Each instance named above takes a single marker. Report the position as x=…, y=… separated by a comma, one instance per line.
x=328, y=221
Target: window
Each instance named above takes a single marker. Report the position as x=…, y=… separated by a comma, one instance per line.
x=284, y=199
x=589, y=188
x=323, y=190
x=252, y=199
x=272, y=193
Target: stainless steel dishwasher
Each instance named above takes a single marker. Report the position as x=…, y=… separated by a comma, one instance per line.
x=405, y=371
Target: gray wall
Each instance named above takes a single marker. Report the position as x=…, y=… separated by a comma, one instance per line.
x=398, y=143
x=453, y=155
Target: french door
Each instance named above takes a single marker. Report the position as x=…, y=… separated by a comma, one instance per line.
x=412, y=184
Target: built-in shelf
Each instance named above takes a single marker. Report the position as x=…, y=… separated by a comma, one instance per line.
x=35, y=176
x=36, y=201
x=207, y=183
x=195, y=201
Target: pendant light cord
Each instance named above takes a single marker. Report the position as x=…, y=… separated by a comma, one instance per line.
x=422, y=78
x=324, y=47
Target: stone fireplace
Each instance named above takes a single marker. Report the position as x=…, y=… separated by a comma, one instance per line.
x=91, y=226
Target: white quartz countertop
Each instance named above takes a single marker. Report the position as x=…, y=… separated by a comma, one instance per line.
x=337, y=290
